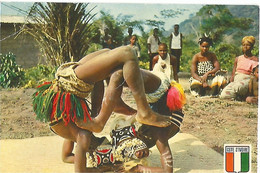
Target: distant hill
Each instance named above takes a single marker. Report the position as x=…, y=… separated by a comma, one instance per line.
x=191, y=25
x=248, y=11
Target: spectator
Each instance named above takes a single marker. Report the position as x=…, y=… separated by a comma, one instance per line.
x=105, y=37
x=153, y=43
x=166, y=62
x=243, y=66
x=109, y=43
x=205, y=80
x=127, y=38
x=176, y=45
x=132, y=44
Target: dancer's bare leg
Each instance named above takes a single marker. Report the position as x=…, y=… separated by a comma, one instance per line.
x=112, y=94
x=145, y=115
x=121, y=107
x=100, y=67
x=66, y=154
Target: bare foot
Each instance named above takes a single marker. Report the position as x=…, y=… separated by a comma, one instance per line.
x=251, y=99
x=91, y=125
x=154, y=119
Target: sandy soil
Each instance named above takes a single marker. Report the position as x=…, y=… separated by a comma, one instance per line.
x=213, y=121
x=43, y=155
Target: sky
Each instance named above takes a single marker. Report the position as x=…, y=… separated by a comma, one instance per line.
x=139, y=9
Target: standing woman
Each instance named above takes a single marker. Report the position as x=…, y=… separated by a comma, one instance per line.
x=205, y=81
x=243, y=67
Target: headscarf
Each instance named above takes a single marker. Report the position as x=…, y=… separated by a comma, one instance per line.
x=250, y=39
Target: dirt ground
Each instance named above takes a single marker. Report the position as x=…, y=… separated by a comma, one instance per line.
x=215, y=122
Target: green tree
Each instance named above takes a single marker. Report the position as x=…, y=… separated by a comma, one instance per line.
x=226, y=54
x=126, y=21
x=62, y=30
x=170, y=13
x=165, y=14
x=114, y=27
x=217, y=21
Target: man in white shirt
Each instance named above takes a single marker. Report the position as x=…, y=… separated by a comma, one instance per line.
x=153, y=43
x=176, y=45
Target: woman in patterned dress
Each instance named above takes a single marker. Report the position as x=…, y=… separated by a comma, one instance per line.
x=205, y=80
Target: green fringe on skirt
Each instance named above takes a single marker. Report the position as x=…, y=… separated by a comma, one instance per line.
x=50, y=105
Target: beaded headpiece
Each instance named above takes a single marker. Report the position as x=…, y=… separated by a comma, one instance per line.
x=124, y=146
x=102, y=156
x=126, y=143
x=119, y=135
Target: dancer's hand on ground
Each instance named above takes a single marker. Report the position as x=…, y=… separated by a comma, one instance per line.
x=137, y=168
x=118, y=167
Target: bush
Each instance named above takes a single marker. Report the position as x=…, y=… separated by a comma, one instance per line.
x=11, y=74
x=226, y=54
x=190, y=48
x=62, y=30
x=37, y=75
x=144, y=65
x=255, y=51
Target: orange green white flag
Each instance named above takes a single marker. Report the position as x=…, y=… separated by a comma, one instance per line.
x=237, y=158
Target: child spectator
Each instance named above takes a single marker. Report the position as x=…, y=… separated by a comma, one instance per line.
x=133, y=45
x=165, y=62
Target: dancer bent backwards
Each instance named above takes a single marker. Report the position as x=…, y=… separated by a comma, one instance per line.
x=62, y=102
x=166, y=98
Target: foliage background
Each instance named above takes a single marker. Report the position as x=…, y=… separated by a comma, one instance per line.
x=68, y=31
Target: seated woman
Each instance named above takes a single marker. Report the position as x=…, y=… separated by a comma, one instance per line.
x=205, y=80
x=243, y=67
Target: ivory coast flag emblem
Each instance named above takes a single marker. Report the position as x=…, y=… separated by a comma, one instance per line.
x=237, y=158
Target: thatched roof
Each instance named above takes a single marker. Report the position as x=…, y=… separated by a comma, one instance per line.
x=12, y=19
